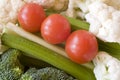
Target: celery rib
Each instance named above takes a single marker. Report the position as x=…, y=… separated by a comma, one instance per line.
x=77, y=24
x=47, y=55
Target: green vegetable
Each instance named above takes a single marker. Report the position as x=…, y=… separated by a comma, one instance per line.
x=10, y=67
x=37, y=51
x=111, y=47
x=47, y=73
x=78, y=24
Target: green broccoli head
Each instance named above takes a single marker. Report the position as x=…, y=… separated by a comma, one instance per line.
x=10, y=67
x=48, y=73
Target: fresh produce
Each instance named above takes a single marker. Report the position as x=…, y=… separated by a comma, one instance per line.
x=102, y=46
x=113, y=48
x=77, y=24
x=9, y=10
x=10, y=67
x=12, y=28
x=48, y=73
x=39, y=52
x=81, y=46
x=10, y=41
x=106, y=67
x=23, y=41
x=79, y=8
x=31, y=17
x=55, y=29
x=102, y=18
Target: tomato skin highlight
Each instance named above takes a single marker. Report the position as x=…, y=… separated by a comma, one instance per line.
x=81, y=46
x=55, y=29
x=31, y=17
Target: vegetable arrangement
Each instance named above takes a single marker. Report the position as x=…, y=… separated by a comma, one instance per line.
x=12, y=38
x=56, y=29
x=80, y=46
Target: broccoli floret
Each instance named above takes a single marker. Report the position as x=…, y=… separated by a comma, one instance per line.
x=48, y=73
x=10, y=67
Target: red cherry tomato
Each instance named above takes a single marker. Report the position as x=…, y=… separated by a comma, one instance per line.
x=31, y=16
x=55, y=29
x=81, y=46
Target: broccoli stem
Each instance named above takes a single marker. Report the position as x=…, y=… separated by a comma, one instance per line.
x=39, y=52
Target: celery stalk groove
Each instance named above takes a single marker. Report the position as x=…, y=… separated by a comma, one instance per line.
x=47, y=55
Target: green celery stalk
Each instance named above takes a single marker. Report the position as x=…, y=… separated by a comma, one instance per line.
x=78, y=24
x=112, y=48
x=47, y=55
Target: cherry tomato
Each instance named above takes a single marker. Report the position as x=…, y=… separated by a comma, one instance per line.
x=31, y=16
x=81, y=46
x=55, y=29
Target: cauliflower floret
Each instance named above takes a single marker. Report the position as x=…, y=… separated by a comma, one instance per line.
x=83, y=6
x=106, y=67
x=78, y=4
x=52, y=4
x=104, y=22
x=9, y=9
x=8, y=13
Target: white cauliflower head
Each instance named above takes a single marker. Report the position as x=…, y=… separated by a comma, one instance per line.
x=106, y=67
x=104, y=22
x=8, y=13
x=78, y=4
x=84, y=4
x=9, y=10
